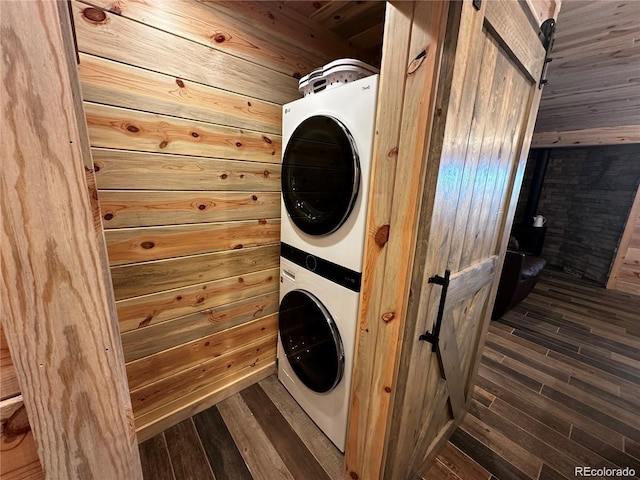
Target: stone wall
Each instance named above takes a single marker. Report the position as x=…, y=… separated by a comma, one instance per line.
x=586, y=198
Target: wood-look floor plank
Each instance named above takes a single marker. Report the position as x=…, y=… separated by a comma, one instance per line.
x=186, y=453
x=548, y=405
x=526, y=358
x=548, y=473
x=554, y=367
x=259, y=454
x=223, y=454
x=439, y=471
x=629, y=406
x=501, y=388
x=485, y=457
x=562, y=443
x=629, y=430
x=298, y=459
x=632, y=448
x=541, y=449
x=154, y=458
x=331, y=459
x=584, y=396
x=501, y=443
x=512, y=374
x=614, y=455
x=461, y=464
x=482, y=396
x=555, y=349
x=505, y=331
x=570, y=338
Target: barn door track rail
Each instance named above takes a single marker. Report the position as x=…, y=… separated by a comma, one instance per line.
x=547, y=36
x=434, y=338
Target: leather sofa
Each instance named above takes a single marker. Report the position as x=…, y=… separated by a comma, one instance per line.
x=520, y=273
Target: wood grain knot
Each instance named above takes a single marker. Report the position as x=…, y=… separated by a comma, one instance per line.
x=219, y=38
x=202, y=207
x=262, y=221
x=393, y=152
x=249, y=104
x=297, y=75
x=267, y=139
x=238, y=144
x=146, y=321
x=266, y=174
x=147, y=245
x=179, y=297
x=16, y=425
x=94, y=15
x=382, y=236
x=108, y=216
x=195, y=134
x=96, y=168
x=237, y=247
x=337, y=17
x=224, y=176
x=387, y=317
x=254, y=197
x=180, y=83
x=417, y=62
x=199, y=300
x=387, y=389
x=132, y=129
x=163, y=144
x=353, y=475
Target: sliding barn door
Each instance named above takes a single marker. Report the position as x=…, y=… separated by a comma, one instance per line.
x=487, y=100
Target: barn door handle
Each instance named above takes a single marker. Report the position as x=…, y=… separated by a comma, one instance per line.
x=434, y=337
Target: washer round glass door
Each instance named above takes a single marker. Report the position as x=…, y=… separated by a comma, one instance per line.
x=320, y=175
x=311, y=341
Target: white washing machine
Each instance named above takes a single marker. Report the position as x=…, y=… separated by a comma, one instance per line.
x=316, y=341
x=328, y=142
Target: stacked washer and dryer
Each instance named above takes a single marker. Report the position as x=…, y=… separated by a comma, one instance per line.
x=328, y=139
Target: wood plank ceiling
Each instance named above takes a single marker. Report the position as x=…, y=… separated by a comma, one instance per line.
x=593, y=94
x=359, y=22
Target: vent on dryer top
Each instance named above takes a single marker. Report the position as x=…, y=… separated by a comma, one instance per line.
x=334, y=74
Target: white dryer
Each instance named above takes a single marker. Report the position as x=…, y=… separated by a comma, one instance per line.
x=316, y=342
x=328, y=140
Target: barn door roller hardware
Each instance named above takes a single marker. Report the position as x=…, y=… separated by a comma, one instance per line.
x=547, y=33
x=434, y=337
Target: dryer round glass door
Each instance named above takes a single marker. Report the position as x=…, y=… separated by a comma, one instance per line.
x=311, y=341
x=320, y=175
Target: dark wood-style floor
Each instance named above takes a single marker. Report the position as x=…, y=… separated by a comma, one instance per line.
x=559, y=387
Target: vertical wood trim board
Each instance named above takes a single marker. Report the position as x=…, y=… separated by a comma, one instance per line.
x=57, y=308
x=403, y=125
x=587, y=136
x=625, y=272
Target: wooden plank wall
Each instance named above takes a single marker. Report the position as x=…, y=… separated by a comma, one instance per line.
x=17, y=447
x=58, y=313
x=183, y=105
x=625, y=272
